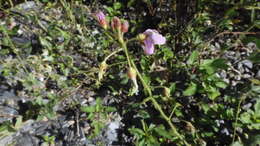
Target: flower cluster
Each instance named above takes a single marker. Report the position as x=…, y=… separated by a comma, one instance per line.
x=149, y=38
x=116, y=23
x=116, y=31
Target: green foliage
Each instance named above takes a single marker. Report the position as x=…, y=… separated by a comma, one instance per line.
x=151, y=135
x=191, y=90
x=251, y=118
x=181, y=96
x=98, y=114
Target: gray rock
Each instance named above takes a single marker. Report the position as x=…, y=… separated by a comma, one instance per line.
x=27, y=140
x=258, y=74
x=7, y=113
x=27, y=6
x=247, y=63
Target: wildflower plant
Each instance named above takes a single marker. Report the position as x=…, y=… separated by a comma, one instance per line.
x=148, y=40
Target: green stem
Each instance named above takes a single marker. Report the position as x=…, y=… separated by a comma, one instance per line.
x=242, y=98
x=113, y=53
x=123, y=45
x=13, y=47
x=149, y=91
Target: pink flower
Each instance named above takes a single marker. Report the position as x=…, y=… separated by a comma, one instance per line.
x=152, y=37
x=101, y=18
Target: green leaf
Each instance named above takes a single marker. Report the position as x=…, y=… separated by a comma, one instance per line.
x=136, y=131
x=88, y=109
x=254, y=126
x=167, y=53
x=257, y=108
x=191, y=90
x=110, y=109
x=213, y=93
x=144, y=114
x=124, y=81
x=172, y=88
x=211, y=66
x=163, y=132
x=97, y=127
x=193, y=57
x=222, y=85
x=117, y=5
x=245, y=118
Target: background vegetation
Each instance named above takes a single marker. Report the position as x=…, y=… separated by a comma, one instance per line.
x=205, y=80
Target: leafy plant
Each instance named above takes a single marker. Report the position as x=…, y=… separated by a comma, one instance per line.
x=97, y=114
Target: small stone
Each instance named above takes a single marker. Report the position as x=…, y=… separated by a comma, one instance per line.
x=225, y=131
x=246, y=76
x=258, y=74
x=247, y=63
x=246, y=106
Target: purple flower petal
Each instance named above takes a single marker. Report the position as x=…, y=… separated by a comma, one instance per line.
x=152, y=38
x=100, y=15
x=148, y=32
x=148, y=46
x=158, y=39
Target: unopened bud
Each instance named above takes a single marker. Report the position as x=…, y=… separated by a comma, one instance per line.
x=166, y=92
x=190, y=127
x=141, y=37
x=131, y=73
x=124, y=26
x=102, y=70
x=116, y=24
x=103, y=66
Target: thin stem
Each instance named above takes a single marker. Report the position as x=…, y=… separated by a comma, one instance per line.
x=122, y=43
x=113, y=53
x=150, y=95
x=132, y=39
x=242, y=98
x=13, y=47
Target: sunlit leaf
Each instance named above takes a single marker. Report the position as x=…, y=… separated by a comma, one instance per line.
x=191, y=90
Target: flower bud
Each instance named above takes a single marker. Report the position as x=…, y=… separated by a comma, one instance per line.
x=116, y=24
x=166, y=92
x=102, y=70
x=101, y=18
x=131, y=73
x=124, y=26
x=190, y=127
x=103, y=66
x=141, y=37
